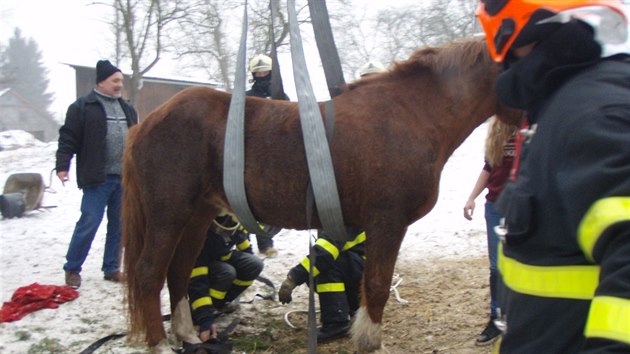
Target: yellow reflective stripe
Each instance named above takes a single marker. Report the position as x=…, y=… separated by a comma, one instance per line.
x=217, y=294
x=329, y=247
x=226, y=257
x=569, y=282
x=497, y=346
x=602, y=214
x=204, y=301
x=609, y=317
x=331, y=288
x=243, y=245
x=199, y=271
x=359, y=239
x=239, y=282
x=306, y=263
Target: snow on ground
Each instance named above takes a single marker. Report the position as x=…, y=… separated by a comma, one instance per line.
x=32, y=249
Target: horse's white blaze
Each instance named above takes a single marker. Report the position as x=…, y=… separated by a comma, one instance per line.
x=162, y=348
x=182, y=325
x=366, y=334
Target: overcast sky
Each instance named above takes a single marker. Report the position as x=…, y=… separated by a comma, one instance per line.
x=73, y=32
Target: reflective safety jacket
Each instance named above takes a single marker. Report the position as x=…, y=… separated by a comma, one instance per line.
x=566, y=257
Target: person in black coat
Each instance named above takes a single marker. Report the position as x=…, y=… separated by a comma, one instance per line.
x=95, y=130
x=565, y=255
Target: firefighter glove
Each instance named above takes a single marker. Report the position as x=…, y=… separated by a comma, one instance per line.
x=284, y=294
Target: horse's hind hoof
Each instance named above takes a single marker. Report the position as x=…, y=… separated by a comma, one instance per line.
x=162, y=348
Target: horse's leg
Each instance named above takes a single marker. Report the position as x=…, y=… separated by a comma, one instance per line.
x=150, y=274
x=179, y=272
x=382, y=246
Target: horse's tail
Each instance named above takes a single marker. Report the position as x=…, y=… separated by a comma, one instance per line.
x=134, y=233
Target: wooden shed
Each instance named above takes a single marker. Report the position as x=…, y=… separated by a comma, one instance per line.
x=153, y=92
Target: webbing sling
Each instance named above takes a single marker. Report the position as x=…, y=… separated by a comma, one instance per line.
x=234, y=147
x=326, y=46
x=312, y=325
x=277, y=88
x=317, y=151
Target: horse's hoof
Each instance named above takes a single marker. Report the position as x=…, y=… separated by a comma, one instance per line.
x=162, y=348
x=366, y=334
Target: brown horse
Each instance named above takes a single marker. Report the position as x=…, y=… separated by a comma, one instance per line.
x=393, y=134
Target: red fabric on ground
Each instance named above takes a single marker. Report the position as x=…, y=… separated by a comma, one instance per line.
x=33, y=297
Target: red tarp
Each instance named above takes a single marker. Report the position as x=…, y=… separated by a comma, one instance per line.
x=33, y=297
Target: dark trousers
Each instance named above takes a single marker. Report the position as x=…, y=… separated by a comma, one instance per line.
x=228, y=279
x=338, y=289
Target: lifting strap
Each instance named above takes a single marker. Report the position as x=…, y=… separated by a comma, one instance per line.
x=277, y=88
x=234, y=147
x=326, y=46
x=318, y=156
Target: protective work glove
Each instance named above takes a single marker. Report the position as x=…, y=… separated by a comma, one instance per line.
x=284, y=294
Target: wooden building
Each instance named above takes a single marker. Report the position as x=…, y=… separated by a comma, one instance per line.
x=153, y=92
x=17, y=113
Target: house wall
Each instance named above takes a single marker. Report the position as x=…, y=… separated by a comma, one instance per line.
x=17, y=114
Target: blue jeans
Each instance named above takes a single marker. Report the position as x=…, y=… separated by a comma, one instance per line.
x=93, y=203
x=493, y=218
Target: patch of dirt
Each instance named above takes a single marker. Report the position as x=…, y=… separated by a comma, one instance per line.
x=447, y=307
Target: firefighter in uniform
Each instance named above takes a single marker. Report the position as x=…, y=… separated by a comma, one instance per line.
x=565, y=255
x=337, y=272
x=223, y=270
x=260, y=68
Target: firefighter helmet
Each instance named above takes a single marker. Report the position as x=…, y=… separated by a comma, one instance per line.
x=510, y=23
x=260, y=63
x=371, y=67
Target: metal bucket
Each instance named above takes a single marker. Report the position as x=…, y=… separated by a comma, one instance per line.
x=12, y=205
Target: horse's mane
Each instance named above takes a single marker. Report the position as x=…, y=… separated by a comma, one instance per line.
x=457, y=56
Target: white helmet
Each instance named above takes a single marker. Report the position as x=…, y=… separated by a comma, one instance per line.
x=371, y=67
x=260, y=63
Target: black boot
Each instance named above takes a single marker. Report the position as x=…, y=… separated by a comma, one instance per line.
x=331, y=331
x=489, y=334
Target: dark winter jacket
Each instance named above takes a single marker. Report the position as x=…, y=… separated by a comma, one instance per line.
x=83, y=134
x=262, y=88
x=566, y=256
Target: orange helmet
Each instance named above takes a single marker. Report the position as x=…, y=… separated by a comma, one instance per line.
x=504, y=20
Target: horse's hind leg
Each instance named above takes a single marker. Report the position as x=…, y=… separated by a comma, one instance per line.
x=151, y=268
x=382, y=245
x=179, y=272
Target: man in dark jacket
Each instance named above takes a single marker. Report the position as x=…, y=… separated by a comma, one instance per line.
x=95, y=130
x=225, y=268
x=337, y=273
x=565, y=259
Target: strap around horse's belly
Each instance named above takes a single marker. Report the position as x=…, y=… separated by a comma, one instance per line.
x=318, y=156
x=329, y=124
x=234, y=148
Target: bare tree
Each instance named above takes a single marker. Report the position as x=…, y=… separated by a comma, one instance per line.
x=139, y=28
x=394, y=33
x=205, y=39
